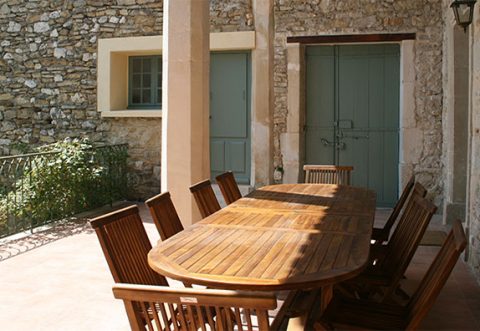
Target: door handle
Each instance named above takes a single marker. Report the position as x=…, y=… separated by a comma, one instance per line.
x=325, y=142
x=337, y=145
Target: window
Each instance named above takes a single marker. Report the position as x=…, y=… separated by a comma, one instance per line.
x=144, y=82
x=114, y=71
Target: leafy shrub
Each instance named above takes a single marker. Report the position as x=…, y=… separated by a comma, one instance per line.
x=3, y=216
x=68, y=177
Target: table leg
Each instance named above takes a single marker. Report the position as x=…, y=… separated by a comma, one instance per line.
x=300, y=309
x=325, y=298
x=297, y=323
x=314, y=303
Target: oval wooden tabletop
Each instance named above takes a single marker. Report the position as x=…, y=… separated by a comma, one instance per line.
x=289, y=236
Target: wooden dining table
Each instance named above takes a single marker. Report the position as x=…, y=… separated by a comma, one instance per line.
x=279, y=237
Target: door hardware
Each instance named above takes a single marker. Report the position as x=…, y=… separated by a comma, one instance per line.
x=337, y=145
x=355, y=136
x=325, y=142
x=344, y=124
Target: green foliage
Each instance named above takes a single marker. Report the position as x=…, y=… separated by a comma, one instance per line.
x=20, y=147
x=66, y=178
x=3, y=216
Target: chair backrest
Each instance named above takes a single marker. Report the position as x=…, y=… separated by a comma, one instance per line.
x=401, y=202
x=205, y=198
x=125, y=245
x=405, y=239
x=164, y=215
x=436, y=276
x=327, y=174
x=229, y=187
x=194, y=309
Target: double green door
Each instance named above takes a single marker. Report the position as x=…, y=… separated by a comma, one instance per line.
x=352, y=113
x=230, y=115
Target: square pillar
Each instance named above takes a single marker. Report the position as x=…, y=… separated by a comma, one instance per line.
x=185, y=106
x=293, y=139
x=262, y=94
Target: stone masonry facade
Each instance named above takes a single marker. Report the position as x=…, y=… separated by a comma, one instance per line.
x=474, y=194
x=48, y=69
x=48, y=52
x=326, y=17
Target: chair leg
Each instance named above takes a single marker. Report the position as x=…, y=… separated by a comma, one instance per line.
x=322, y=326
x=402, y=294
x=346, y=290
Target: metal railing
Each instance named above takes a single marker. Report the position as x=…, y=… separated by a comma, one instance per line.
x=35, y=189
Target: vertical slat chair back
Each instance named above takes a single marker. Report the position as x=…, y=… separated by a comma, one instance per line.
x=401, y=203
x=205, y=198
x=381, y=235
x=327, y=174
x=164, y=215
x=229, y=187
x=194, y=309
x=405, y=239
x=125, y=245
x=436, y=276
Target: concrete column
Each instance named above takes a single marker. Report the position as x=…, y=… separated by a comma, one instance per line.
x=185, y=123
x=293, y=139
x=262, y=94
x=411, y=137
x=456, y=125
x=473, y=194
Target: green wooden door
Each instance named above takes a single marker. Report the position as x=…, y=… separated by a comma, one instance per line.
x=352, y=113
x=230, y=115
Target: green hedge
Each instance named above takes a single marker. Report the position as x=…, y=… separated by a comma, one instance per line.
x=62, y=179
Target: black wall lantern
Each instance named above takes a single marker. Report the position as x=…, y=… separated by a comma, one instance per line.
x=463, y=10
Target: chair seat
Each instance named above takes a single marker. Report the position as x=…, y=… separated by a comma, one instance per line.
x=366, y=314
x=373, y=275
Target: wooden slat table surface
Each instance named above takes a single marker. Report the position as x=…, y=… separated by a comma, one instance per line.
x=280, y=237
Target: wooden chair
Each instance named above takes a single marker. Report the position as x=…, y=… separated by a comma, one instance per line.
x=164, y=215
x=194, y=309
x=382, y=234
x=205, y=198
x=327, y=174
x=125, y=245
x=391, y=261
x=229, y=187
x=348, y=313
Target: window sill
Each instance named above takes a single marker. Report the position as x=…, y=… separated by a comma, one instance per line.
x=133, y=113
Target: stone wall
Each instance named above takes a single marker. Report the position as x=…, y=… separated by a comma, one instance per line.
x=474, y=194
x=231, y=15
x=325, y=17
x=48, y=70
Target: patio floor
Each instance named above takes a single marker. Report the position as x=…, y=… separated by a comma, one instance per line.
x=58, y=280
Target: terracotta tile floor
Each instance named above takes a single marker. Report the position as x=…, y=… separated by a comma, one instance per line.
x=58, y=280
